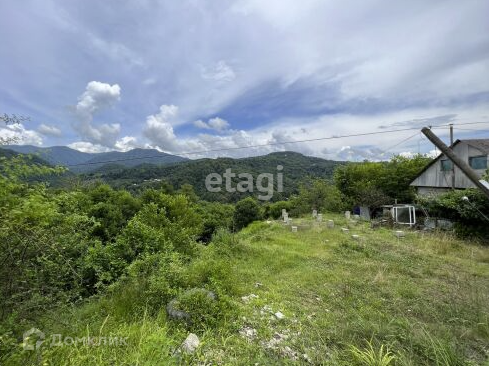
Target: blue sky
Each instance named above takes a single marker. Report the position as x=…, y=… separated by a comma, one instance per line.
x=195, y=75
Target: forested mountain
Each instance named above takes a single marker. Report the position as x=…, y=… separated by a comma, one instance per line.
x=34, y=159
x=296, y=167
x=65, y=156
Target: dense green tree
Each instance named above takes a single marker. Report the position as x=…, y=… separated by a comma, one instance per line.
x=247, y=210
x=320, y=195
x=112, y=209
x=377, y=183
x=215, y=216
x=188, y=191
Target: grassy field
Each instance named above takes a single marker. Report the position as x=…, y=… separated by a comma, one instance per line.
x=420, y=300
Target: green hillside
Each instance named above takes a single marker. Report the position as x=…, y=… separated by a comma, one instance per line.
x=296, y=167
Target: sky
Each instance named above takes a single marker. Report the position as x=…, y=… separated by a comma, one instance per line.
x=192, y=75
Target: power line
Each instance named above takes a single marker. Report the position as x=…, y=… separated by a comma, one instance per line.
x=399, y=143
x=272, y=144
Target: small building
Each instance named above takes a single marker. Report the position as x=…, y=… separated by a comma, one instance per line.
x=436, y=177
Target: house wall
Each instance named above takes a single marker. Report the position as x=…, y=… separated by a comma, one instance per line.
x=435, y=177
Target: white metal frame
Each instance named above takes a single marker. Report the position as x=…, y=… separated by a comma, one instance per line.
x=412, y=215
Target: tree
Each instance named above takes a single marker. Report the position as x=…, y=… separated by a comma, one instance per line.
x=377, y=183
x=188, y=191
x=247, y=210
x=320, y=195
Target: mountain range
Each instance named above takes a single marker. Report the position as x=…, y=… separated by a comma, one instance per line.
x=80, y=162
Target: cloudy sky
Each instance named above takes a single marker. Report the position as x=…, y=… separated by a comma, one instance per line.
x=192, y=75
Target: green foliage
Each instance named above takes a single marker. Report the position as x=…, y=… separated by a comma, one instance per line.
x=41, y=246
x=204, y=308
x=57, y=247
x=188, y=191
x=378, y=183
x=466, y=207
x=112, y=209
x=215, y=216
x=369, y=357
x=274, y=210
x=194, y=172
x=247, y=211
x=320, y=195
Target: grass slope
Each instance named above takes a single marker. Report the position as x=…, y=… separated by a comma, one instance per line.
x=424, y=298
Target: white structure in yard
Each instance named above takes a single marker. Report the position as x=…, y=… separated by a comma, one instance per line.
x=436, y=177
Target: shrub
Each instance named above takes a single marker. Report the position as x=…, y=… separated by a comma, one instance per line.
x=469, y=214
x=215, y=216
x=247, y=210
x=274, y=210
x=202, y=307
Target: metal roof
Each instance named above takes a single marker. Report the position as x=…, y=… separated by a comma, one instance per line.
x=480, y=144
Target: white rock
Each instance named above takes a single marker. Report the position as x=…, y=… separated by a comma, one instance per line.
x=279, y=315
x=294, y=229
x=191, y=343
x=356, y=237
x=248, y=332
x=345, y=230
x=249, y=297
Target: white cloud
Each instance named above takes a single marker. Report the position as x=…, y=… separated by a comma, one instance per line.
x=201, y=124
x=216, y=124
x=47, y=130
x=18, y=134
x=126, y=143
x=221, y=72
x=159, y=130
x=88, y=147
x=96, y=97
x=285, y=135
x=116, y=51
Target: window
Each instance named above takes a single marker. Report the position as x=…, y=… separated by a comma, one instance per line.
x=446, y=165
x=478, y=162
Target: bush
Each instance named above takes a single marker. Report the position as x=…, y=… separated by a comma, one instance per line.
x=468, y=215
x=274, y=210
x=215, y=216
x=198, y=307
x=247, y=211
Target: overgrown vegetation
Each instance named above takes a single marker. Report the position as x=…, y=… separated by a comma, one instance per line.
x=155, y=264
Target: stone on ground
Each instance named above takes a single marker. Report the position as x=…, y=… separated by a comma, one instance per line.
x=249, y=297
x=279, y=315
x=191, y=343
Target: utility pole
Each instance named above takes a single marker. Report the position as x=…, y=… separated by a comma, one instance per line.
x=451, y=147
x=464, y=167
